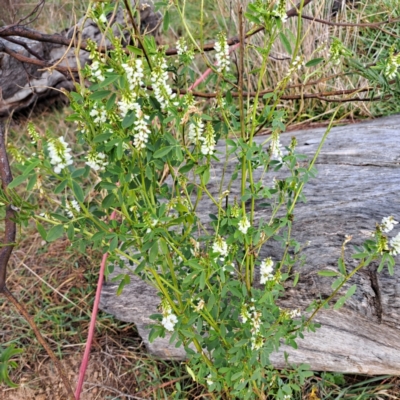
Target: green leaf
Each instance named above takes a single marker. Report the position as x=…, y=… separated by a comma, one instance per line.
x=125, y=281
x=186, y=168
x=153, y=252
x=70, y=232
x=108, y=185
x=202, y=280
x=337, y=283
x=351, y=290
x=17, y=181
x=55, y=233
x=206, y=176
x=128, y=120
x=314, y=62
x=108, y=80
x=78, y=172
x=296, y=279
x=342, y=267
x=31, y=183
x=113, y=244
x=162, y=152
x=148, y=172
x=285, y=42
x=61, y=186
x=100, y=94
x=135, y=50
x=102, y=137
x=237, y=375
x=110, y=102
x=78, y=192
x=108, y=201
x=41, y=230
x=339, y=303
x=166, y=21
x=120, y=150
x=327, y=273
x=6, y=364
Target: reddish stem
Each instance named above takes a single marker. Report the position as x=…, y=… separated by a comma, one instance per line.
x=209, y=70
x=85, y=359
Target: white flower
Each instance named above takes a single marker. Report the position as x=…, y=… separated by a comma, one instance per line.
x=208, y=145
x=257, y=342
x=196, y=129
x=134, y=74
x=209, y=380
x=169, y=318
x=181, y=47
x=222, y=53
x=276, y=151
x=96, y=71
x=169, y=321
x=59, y=153
x=287, y=397
x=266, y=270
x=220, y=246
x=103, y=18
x=96, y=161
x=244, y=314
x=140, y=128
x=99, y=114
x=388, y=224
x=159, y=78
x=127, y=103
x=244, y=225
x=72, y=206
x=395, y=244
x=297, y=63
x=294, y=313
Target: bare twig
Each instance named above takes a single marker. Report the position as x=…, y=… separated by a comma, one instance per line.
x=349, y=24
x=40, y=63
x=137, y=32
x=37, y=10
x=25, y=46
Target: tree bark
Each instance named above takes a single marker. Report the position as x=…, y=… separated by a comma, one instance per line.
x=357, y=185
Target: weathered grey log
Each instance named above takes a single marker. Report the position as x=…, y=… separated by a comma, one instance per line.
x=357, y=185
x=23, y=85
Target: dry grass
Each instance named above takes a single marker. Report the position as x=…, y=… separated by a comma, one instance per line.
x=55, y=15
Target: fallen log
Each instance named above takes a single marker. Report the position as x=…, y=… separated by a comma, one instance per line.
x=357, y=185
x=23, y=84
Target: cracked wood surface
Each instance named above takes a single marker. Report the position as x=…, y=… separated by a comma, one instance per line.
x=357, y=185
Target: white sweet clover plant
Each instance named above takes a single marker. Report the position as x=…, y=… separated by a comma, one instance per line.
x=149, y=151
